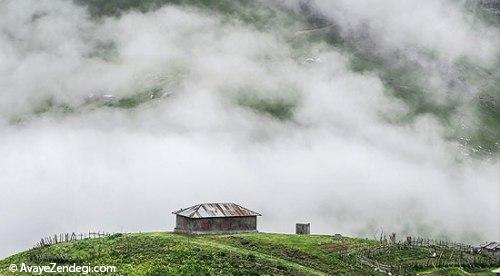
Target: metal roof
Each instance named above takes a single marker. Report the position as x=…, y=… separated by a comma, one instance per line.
x=215, y=210
x=491, y=246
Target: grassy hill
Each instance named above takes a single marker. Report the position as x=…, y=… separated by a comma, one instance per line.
x=250, y=254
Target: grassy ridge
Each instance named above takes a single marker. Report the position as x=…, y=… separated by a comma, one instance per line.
x=243, y=254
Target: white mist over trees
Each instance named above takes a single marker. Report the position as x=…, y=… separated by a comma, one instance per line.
x=241, y=105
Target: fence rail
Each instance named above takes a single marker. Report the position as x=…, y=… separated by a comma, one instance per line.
x=67, y=237
x=442, y=253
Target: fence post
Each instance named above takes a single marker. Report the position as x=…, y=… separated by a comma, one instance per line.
x=408, y=240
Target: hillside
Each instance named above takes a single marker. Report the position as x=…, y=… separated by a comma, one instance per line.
x=247, y=254
x=404, y=79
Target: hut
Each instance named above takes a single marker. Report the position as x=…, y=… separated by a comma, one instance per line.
x=491, y=249
x=215, y=218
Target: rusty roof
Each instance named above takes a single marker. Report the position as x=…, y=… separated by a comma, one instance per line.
x=493, y=246
x=215, y=210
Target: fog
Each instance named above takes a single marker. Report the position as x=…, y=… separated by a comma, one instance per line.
x=443, y=26
x=337, y=162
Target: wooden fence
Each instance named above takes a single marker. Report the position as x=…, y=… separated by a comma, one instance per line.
x=439, y=243
x=67, y=237
x=441, y=254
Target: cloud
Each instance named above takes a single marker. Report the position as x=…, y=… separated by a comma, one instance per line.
x=442, y=47
x=442, y=26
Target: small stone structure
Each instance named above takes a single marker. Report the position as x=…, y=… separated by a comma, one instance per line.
x=303, y=228
x=215, y=218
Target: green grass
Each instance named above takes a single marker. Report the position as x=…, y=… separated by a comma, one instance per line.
x=241, y=254
x=454, y=271
x=279, y=108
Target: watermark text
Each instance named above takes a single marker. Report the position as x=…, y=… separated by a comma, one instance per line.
x=66, y=268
